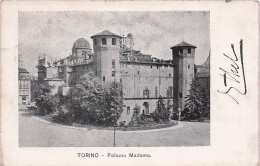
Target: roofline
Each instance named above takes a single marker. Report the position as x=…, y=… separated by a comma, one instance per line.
x=150, y=63
x=106, y=35
x=183, y=46
x=23, y=72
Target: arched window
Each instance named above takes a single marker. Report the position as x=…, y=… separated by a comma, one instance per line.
x=113, y=63
x=104, y=41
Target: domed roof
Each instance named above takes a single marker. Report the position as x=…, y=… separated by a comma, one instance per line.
x=81, y=43
x=130, y=35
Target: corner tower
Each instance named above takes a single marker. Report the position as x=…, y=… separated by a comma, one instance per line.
x=106, y=55
x=183, y=60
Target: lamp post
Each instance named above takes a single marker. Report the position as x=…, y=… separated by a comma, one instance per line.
x=114, y=145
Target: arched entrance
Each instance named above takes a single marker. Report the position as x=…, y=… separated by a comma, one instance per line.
x=146, y=108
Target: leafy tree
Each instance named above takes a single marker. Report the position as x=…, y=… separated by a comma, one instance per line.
x=96, y=102
x=162, y=111
x=45, y=101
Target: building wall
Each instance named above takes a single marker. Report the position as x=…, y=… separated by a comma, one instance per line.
x=24, y=92
x=56, y=83
x=136, y=78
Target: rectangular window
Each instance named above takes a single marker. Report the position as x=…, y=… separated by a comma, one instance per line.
x=188, y=66
x=113, y=73
x=113, y=41
x=104, y=78
x=113, y=63
x=169, y=91
x=156, y=91
x=189, y=51
x=181, y=51
x=138, y=72
x=170, y=75
x=146, y=92
x=104, y=41
x=180, y=95
x=128, y=110
x=95, y=42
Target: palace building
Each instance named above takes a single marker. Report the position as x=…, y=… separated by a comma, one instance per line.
x=113, y=58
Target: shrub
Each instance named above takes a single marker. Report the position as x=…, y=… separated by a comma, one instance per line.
x=62, y=115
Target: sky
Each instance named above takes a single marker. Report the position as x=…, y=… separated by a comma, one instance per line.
x=53, y=33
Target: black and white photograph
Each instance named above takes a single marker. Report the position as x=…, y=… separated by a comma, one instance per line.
x=133, y=83
x=114, y=79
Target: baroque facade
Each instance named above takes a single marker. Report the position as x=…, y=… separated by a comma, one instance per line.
x=113, y=58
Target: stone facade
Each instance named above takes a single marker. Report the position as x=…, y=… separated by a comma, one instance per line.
x=24, y=86
x=144, y=78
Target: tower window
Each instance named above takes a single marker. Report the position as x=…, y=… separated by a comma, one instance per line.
x=95, y=42
x=104, y=78
x=128, y=110
x=189, y=51
x=188, y=66
x=104, y=41
x=113, y=63
x=181, y=51
x=113, y=73
x=113, y=41
x=180, y=95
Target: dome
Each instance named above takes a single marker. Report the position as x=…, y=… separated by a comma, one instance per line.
x=130, y=35
x=81, y=43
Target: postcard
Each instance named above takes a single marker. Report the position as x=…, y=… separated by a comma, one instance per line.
x=129, y=83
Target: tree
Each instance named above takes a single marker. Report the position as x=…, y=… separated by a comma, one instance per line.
x=96, y=102
x=197, y=102
x=162, y=112
x=136, y=109
x=45, y=101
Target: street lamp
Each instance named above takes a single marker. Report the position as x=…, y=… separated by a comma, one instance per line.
x=114, y=145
